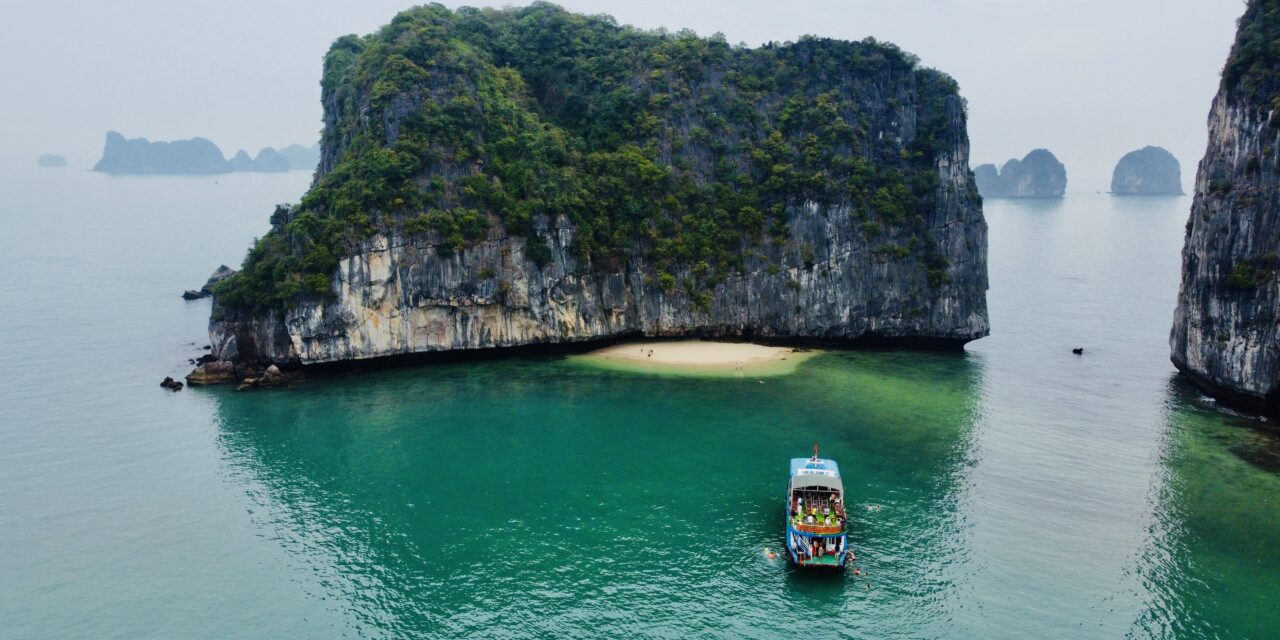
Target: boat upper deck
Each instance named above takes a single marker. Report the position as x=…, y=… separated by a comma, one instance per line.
x=817, y=511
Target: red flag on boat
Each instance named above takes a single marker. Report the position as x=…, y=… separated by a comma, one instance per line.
x=815, y=452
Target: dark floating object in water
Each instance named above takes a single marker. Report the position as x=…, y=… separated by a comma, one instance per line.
x=1078, y=350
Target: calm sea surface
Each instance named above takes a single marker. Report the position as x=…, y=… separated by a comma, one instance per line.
x=1023, y=491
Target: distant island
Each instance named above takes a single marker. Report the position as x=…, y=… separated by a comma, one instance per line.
x=267, y=160
x=1147, y=171
x=196, y=156
x=302, y=158
x=1037, y=175
x=51, y=160
x=500, y=178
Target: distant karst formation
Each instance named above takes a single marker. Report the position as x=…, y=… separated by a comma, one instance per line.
x=300, y=157
x=1225, y=337
x=1037, y=175
x=196, y=156
x=1147, y=171
x=51, y=160
x=268, y=159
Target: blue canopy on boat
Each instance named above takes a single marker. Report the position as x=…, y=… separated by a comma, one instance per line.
x=812, y=467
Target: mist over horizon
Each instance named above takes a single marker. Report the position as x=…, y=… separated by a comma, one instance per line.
x=1089, y=82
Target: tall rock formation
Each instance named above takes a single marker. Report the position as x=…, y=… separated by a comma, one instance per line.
x=1147, y=171
x=497, y=178
x=1037, y=175
x=1225, y=331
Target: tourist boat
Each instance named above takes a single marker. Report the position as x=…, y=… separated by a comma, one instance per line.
x=817, y=525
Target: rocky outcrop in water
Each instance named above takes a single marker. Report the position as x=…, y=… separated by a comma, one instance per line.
x=221, y=273
x=51, y=160
x=1037, y=175
x=903, y=260
x=1147, y=171
x=1226, y=334
x=211, y=373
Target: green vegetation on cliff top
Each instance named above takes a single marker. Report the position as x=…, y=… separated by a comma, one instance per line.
x=686, y=149
x=1253, y=68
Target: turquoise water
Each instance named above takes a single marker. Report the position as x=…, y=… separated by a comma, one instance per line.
x=1022, y=491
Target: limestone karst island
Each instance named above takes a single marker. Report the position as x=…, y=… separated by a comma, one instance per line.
x=1039, y=174
x=479, y=189
x=717, y=319
x=1149, y=171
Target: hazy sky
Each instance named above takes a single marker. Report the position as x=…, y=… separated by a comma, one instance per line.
x=1088, y=79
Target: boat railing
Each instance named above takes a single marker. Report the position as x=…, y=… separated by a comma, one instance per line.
x=821, y=529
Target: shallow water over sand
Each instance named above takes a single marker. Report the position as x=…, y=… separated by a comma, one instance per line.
x=1023, y=491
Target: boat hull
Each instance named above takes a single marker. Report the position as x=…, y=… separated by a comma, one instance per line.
x=829, y=562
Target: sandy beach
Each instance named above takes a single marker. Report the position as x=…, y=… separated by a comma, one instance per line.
x=700, y=357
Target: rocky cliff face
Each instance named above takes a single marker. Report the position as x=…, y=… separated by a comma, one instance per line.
x=1147, y=171
x=829, y=271
x=398, y=296
x=1037, y=175
x=1225, y=333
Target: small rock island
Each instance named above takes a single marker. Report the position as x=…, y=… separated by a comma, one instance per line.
x=1037, y=175
x=1226, y=325
x=196, y=156
x=51, y=160
x=1147, y=171
x=480, y=188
